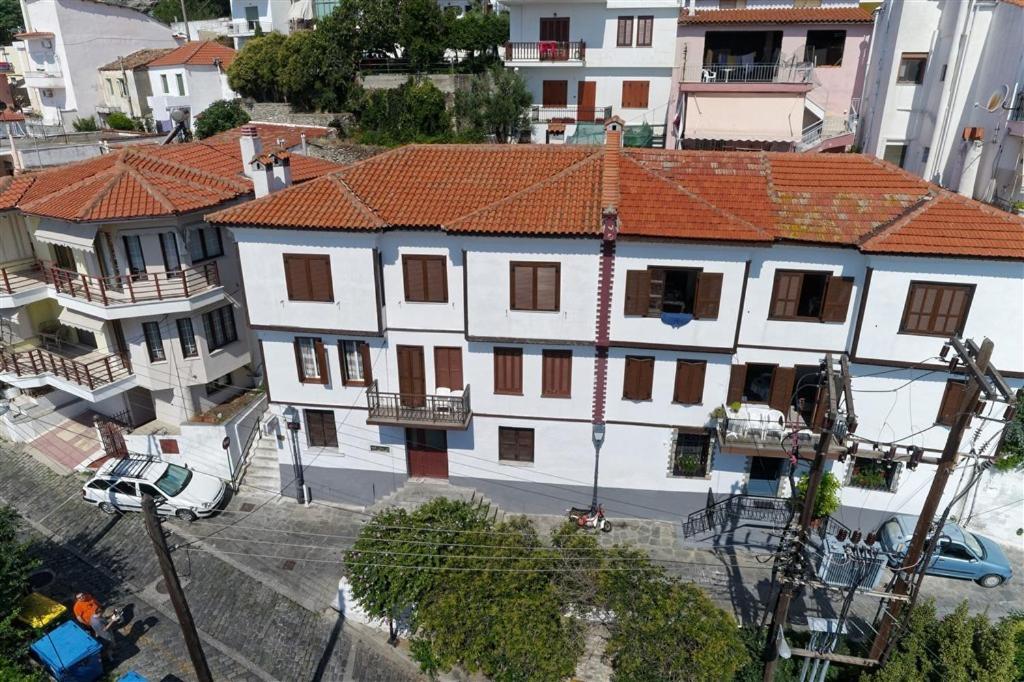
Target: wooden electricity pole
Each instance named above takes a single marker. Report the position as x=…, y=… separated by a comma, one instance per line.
x=978, y=367
x=163, y=555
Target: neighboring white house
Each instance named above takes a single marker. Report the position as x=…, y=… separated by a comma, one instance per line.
x=125, y=85
x=66, y=41
x=189, y=79
x=115, y=291
x=454, y=312
x=584, y=62
x=944, y=95
x=250, y=17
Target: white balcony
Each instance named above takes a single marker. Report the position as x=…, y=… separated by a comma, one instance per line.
x=247, y=27
x=48, y=79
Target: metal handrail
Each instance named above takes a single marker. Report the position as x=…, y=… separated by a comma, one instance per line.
x=142, y=286
x=20, y=277
x=570, y=112
x=766, y=72
x=93, y=374
x=418, y=407
x=546, y=51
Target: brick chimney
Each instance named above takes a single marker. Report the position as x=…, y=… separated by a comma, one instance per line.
x=610, y=170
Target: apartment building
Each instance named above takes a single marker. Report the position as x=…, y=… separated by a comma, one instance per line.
x=585, y=62
x=494, y=314
x=66, y=41
x=769, y=76
x=116, y=292
x=944, y=94
x=188, y=80
x=126, y=87
x=258, y=17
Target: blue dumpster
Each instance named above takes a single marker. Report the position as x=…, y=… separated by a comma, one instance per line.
x=70, y=654
x=132, y=676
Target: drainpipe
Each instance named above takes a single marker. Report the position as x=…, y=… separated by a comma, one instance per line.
x=606, y=274
x=949, y=87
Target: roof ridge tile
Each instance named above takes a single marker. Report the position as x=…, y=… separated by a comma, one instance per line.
x=357, y=200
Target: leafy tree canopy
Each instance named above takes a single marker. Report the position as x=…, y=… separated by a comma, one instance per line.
x=11, y=20
x=496, y=103
x=15, y=567
x=256, y=68
x=1013, y=445
x=220, y=116
x=422, y=32
x=412, y=112
x=170, y=10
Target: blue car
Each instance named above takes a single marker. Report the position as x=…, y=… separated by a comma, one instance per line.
x=959, y=554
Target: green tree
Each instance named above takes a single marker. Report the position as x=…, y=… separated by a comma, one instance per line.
x=1013, y=445
x=256, y=70
x=11, y=20
x=827, y=501
x=220, y=116
x=120, y=121
x=1014, y=624
x=422, y=32
x=412, y=112
x=170, y=10
x=377, y=20
x=478, y=33
x=15, y=567
x=496, y=103
x=957, y=648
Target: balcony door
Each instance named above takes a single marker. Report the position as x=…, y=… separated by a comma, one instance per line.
x=427, y=452
x=764, y=476
x=586, y=101
x=133, y=253
x=412, y=383
x=554, y=29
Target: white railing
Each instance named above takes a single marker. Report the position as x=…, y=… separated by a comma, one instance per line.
x=244, y=27
x=774, y=72
x=826, y=129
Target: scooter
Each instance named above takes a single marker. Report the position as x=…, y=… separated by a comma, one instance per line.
x=590, y=518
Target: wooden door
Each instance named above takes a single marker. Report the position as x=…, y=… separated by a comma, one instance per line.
x=412, y=384
x=554, y=29
x=448, y=368
x=427, y=452
x=586, y=101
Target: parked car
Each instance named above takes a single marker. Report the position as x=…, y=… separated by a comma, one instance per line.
x=959, y=554
x=120, y=483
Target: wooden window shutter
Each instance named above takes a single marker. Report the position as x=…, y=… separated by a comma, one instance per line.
x=656, y=292
x=547, y=277
x=298, y=360
x=689, y=388
x=412, y=272
x=314, y=427
x=507, y=444
x=169, y=446
x=555, y=93
x=437, y=280
x=639, y=378
x=635, y=94
x=296, y=278
x=448, y=368
x=556, y=377
x=508, y=371
x=786, y=294
x=320, y=285
x=737, y=379
x=525, y=445
x=522, y=287
x=321, y=361
x=837, y=299
x=708, y=296
x=781, y=394
x=952, y=397
x=638, y=292
x=364, y=352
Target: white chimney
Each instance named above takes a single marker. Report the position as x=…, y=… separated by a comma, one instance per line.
x=692, y=8
x=251, y=147
x=282, y=170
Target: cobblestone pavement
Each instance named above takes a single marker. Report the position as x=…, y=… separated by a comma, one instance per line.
x=250, y=630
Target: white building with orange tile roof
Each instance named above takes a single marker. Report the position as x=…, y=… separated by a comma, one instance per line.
x=189, y=79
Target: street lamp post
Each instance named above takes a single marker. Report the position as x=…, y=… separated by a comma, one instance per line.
x=291, y=416
x=597, y=435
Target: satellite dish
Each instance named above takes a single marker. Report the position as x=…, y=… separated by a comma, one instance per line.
x=178, y=115
x=996, y=99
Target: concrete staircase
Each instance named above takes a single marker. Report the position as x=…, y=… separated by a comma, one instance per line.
x=419, y=491
x=262, y=472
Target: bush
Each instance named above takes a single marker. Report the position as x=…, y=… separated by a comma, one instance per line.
x=85, y=125
x=119, y=121
x=220, y=116
x=412, y=112
x=1012, y=450
x=827, y=501
x=497, y=103
x=15, y=567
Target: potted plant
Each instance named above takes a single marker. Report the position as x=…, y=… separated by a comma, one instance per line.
x=826, y=502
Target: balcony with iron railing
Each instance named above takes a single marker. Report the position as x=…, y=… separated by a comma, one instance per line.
x=446, y=409
x=757, y=430
x=84, y=367
x=545, y=51
x=570, y=113
x=1015, y=126
x=770, y=73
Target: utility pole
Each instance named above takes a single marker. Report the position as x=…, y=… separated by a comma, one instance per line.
x=163, y=555
x=976, y=360
x=184, y=17
x=817, y=473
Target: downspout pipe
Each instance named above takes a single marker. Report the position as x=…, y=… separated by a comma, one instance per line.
x=937, y=159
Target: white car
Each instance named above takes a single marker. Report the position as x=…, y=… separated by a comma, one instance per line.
x=120, y=483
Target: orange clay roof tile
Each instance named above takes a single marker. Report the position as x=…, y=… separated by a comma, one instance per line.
x=201, y=53
x=780, y=15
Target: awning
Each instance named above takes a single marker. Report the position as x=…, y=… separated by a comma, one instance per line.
x=69, y=318
x=733, y=135
x=74, y=235
x=301, y=9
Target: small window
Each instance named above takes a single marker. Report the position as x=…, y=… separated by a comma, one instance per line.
x=321, y=431
x=220, y=327
x=925, y=152
x=689, y=388
x=825, y=48
x=147, y=489
x=508, y=371
x=555, y=94
x=658, y=290
x=635, y=94
x=64, y=256
x=638, y=378
x=310, y=360
x=935, y=309
x=163, y=84
x=691, y=454
x=180, y=79
x=535, y=286
x=911, y=69
x=355, y=363
x=895, y=154
x=758, y=384
x=154, y=342
x=308, y=277
x=125, y=488
x=953, y=550
x=122, y=85
x=187, y=338
x=110, y=86
x=99, y=484
x=644, y=31
x=873, y=474
x=810, y=296
x=515, y=445
x=205, y=243
x=557, y=374
x=135, y=257
x=217, y=385
x=554, y=29
x=425, y=279
x=624, y=34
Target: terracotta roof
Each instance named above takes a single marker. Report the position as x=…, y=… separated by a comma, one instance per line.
x=8, y=116
x=741, y=197
x=12, y=188
x=201, y=53
x=137, y=59
x=789, y=15
x=144, y=181
x=274, y=134
x=33, y=34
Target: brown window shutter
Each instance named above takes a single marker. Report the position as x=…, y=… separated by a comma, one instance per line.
x=296, y=277
x=522, y=287
x=330, y=430
x=508, y=371
x=169, y=446
x=786, y=294
x=507, y=443
x=656, y=292
x=781, y=395
x=556, y=373
x=638, y=292
x=737, y=379
x=321, y=361
x=709, y=296
x=298, y=360
x=414, y=278
x=628, y=94
x=952, y=397
x=448, y=368
x=555, y=93
x=547, y=277
x=525, y=445
x=320, y=285
x=689, y=388
x=437, y=280
x=364, y=351
x=837, y=299
x=639, y=378
x=315, y=427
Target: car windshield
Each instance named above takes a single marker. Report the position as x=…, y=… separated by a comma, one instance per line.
x=174, y=480
x=973, y=545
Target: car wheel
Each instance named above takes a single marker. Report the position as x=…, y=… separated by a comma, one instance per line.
x=186, y=515
x=990, y=580
x=108, y=508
